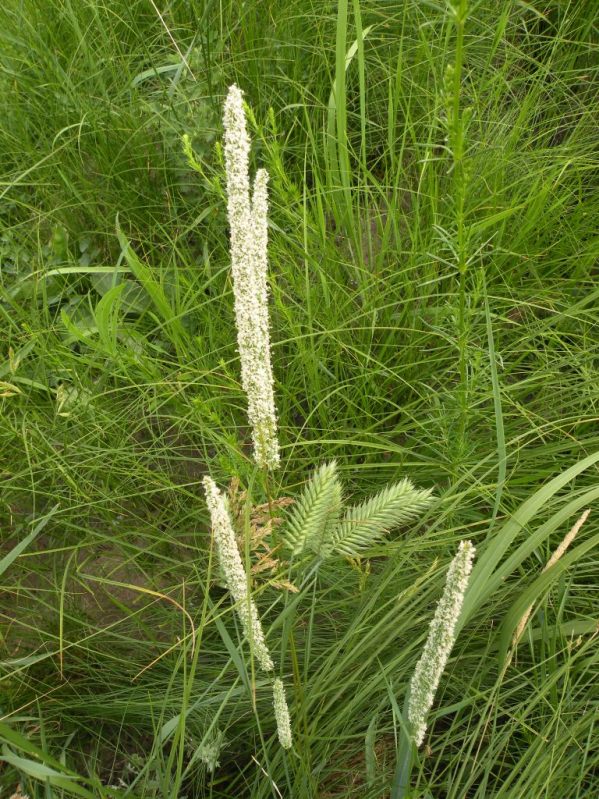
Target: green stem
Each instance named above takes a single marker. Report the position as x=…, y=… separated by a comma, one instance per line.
x=460, y=199
x=463, y=360
x=270, y=492
x=405, y=758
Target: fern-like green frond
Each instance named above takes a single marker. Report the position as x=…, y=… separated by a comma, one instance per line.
x=316, y=510
x=364, y=524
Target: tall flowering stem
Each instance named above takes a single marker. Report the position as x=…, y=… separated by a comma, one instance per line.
x=237, y=583
x=248, y=215
x=282, y=714
x=234, y=573
x=440, y=641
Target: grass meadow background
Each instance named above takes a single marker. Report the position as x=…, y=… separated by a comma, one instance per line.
x=433, y=271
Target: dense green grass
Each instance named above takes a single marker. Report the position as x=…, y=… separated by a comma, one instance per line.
x=433, y=268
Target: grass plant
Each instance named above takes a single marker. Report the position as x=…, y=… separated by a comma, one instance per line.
x=433, y=314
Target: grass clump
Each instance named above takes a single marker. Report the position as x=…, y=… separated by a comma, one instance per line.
x=432, y=263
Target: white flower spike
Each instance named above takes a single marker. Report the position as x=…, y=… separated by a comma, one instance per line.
x=235, y=576
x=282, y=714
x=440, y=641
x=249, y=263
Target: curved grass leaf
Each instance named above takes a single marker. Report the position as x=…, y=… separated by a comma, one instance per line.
x=535, y=591
x=484, y=580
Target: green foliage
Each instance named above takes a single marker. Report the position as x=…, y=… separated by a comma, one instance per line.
x=433, y=309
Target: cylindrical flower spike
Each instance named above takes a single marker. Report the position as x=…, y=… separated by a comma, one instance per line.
x=440, y=641
x=282, y=714
x=234, y=573
x=249, y=261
